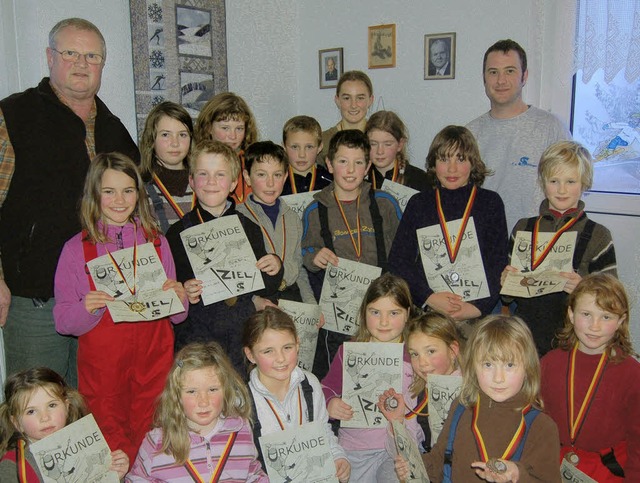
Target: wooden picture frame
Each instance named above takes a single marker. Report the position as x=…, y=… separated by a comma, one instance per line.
x=382, y=46
x=440, y=56
x=330, y=67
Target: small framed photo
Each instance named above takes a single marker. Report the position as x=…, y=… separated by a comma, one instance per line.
x=440, y=56
x=382, y=46
x=330, y=67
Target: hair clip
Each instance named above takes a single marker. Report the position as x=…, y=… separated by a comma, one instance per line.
x=179, y=363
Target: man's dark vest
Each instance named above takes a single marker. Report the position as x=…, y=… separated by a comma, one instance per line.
x=41, y=211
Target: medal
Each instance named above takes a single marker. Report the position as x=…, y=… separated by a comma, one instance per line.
x=282, y=286
x=452, y=251
x=138, y=307
x=536, y=261
x=452, y=276
x=572, y=458
x=390, y=403
x=357, y=247
x=497, y=466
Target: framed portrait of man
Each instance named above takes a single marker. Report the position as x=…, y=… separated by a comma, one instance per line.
x=440, y=56
x=330, y=67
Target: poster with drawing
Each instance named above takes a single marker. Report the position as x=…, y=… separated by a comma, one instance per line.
x=343, y=289
x=369, y=369
x=399, y=191
x=571, y=474
x=299, y=202
x=545, y=279
x=221, y=256
x=408, y=449
x=78, y=453
x=149, y=301
x=465, y=276
x=306, y=317
x=299, y=455
x=442, y=391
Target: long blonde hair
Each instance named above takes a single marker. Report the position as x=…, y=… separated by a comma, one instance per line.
x=90, y=210
x=505, y=339
x=18, y=391
x=170, y=414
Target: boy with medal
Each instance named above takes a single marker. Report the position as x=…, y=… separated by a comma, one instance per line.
x=565, y=171
x=448, y=210
x=346, y=219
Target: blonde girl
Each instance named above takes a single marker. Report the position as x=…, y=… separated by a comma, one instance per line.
x=388, y=138
x=594, y=366
x=121, y=367
x=278, y=385
x=496, y=431
x=201, y=426
x=164, y=149
x=384, y=313
x=228, y=119
x=38, y=402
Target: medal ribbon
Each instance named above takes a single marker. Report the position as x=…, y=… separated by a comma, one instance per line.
x=576, y=424
x=292, y=178
x=215, y=476
x=135, y=260
x=170, y=199
x=21, y=461
x=275, y=413
x=536, y=261
x=240, y=194
x=515, y=440
x=356, y=247
x=394, y=177
x=266, y=234
x=453, y=251
x=417, y=411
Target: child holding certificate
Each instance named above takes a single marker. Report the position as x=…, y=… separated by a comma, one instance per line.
x=565, y=171
x=201, y=428
x=120, y=366
x=347, y=219
x=591, y=384
x=214, y=169
x=384, y=311
x=496, y=431
x=38, y=402
x=284, y=395
x=454, y=267
x=266, y=170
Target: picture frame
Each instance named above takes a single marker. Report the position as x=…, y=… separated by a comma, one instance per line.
x=330, y=67
x=440, y=56
x=382, y=46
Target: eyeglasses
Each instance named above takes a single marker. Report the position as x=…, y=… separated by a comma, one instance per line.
x=73, y=56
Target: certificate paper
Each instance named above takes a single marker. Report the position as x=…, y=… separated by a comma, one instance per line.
x=299, y=201
x=150, y=302
x=306, y=317
x=545, y=279
x=369, y=369
x=465, y=276
x=343, y=289
x=299, y=455
x=399, y=191
x=221, y=256
x=408, y=449
x=442, y=391
x=76, y=453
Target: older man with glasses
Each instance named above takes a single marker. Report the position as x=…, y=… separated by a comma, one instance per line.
x=48, y=135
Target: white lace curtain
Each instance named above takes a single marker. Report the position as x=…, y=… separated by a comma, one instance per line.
x=608, y=38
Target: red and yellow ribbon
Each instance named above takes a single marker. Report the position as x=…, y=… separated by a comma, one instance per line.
x=515, y=440
x=172, y=202
x=536, y=261
x=135, y=261
x=292, y=179
x=356, y=247
x=215, y=476
x=275, y=413
x=453, y=251
x=394, y=176
x=575, y=423
x=21, y=461
x=417, y=411
x=266, y=234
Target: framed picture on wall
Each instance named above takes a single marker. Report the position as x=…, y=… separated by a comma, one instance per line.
x=440, y=56
x=382, y=46
x=330, y=67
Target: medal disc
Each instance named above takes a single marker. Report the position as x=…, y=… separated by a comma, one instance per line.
x=390, y=403
x=497, y=466
x=572, y=458
x=137, y=307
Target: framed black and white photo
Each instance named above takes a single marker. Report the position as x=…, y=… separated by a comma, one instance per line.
x=382, y=46
x=440, y=56
x=330, y=67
